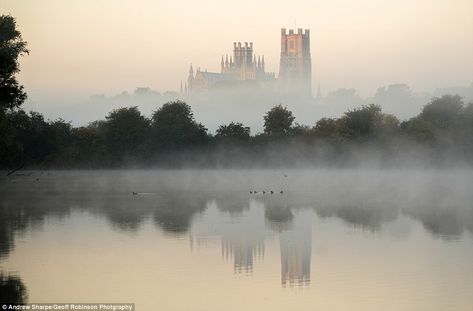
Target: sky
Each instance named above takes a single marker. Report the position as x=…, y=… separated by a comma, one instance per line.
x=81, y=48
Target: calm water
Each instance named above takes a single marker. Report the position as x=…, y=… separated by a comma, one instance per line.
x=198, y=240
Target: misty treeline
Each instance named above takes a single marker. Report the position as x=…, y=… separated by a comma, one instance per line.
x=442, y=134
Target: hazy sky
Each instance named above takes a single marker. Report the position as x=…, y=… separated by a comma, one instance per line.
x=85, y=47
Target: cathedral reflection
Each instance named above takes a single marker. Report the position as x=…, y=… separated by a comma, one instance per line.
x=242, y=235
x=296, y=251
x=295, y=239
x=241, y=231
x=239, y=223
x=244, y=251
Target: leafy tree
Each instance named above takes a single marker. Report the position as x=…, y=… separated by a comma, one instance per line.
x=233, y=132
x=88, y=145
x=10, y=147
x=331, y=129
x=12, y=47
x=387, y=126
x=362, y=122
x=325, y=127
x=300, y=130
x=11, y=93
x=443, y=112
x=419, y=130
x=278, y=121
x=125, y=132
x=466, y=120
x=31, y=132
x=173, y=126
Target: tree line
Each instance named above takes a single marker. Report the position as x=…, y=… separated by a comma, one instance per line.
x=440, y=133
x=172, y=136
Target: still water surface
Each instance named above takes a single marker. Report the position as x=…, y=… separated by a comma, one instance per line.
x=198, y=240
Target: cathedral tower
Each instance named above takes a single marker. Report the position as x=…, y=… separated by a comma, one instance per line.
x=295, y=71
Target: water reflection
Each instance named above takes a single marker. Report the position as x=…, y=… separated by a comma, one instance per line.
x=277, y=212
x=296, y=251
x=242, y=233
x=12, y=290
x=173, y=210
x=217, y=205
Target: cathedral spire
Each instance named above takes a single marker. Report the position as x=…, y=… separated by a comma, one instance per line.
x=190, y=79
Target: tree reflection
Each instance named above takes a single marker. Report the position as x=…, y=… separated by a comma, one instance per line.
x=12, y=290
x=174, y=210
x=445, y=222
x=277, y=213
x=242, y=222
x=366, y=216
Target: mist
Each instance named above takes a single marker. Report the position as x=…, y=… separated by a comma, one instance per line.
x=248, y=106
x=242, y=156
x=360, y=45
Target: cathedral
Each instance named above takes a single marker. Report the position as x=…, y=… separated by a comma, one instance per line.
x=245, y=68
x=295, y=68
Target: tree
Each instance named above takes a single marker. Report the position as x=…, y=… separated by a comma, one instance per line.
x=362, y=122
x=443, y=112
x=419, y=130
x=31, y=133
x=327, y=128
x=173, y=126
x=88, y=145
x=234, y=131
x=386, y=127
x=12, y=47
x=465, y=131
x=125, y=132
x=278, y=121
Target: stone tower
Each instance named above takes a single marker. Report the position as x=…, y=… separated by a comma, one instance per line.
x=295, y=71
x=243, y=65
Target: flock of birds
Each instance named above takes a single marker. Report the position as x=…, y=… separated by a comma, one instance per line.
x=251, y=192
x=269, y=192
x=264, y=192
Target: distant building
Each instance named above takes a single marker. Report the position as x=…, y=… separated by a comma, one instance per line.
x=242, y=66
x=295, y=69
x=245, y=68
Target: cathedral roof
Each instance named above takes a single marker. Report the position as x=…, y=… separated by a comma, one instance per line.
x=214, y=76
